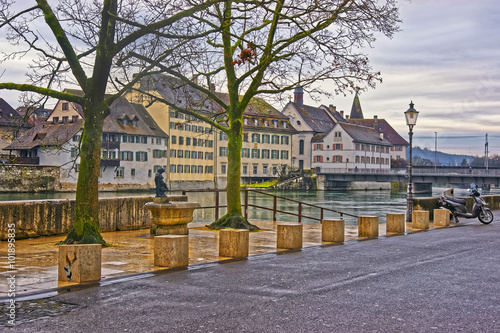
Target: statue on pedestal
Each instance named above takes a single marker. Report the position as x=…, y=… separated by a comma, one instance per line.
x=161, y=186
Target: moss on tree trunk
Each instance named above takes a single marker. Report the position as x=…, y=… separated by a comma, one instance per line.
x=234, y=217
x=85, y=229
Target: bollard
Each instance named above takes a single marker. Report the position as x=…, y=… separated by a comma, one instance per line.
x=171, y=250
x=79, y=263
x=368, y=226
x=332, y=231
x=395, y=223
x=233, y=243
x=289, y=236
x=441, y=217
x=420, y=219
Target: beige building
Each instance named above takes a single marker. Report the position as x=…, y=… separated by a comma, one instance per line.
x=267, y=144
x=198, y=154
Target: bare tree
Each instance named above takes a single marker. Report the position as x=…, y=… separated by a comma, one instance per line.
x=271, y=47
x=93, y=44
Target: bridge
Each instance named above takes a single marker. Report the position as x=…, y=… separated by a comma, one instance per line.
x=422, y=177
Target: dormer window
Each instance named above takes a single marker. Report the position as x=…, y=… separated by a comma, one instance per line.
x=245, y=121
x=275, y=123
x=256, y=122
x=285, y=124
x=266, y=123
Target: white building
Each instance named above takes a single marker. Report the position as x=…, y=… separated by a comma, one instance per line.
x=349, y=147
x=133, y=146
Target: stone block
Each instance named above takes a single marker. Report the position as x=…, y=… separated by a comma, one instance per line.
x=332, y=230
x=233, y=243
x=420, y=219
x=395, y=223
x=441, y=217
x=171, y=250
x=289, y=235
x=79, y=263
x=368, y=226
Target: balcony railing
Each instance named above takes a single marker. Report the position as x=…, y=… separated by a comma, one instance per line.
x=110, y=162
x=22, y=160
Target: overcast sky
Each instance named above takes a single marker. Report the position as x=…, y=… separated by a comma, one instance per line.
x=446, y=60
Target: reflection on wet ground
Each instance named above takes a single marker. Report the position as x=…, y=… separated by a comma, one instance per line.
x=132, y=252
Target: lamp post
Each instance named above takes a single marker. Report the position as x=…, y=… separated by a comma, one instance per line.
x=411, y=119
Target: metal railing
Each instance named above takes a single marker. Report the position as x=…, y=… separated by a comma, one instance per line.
x=245, y=205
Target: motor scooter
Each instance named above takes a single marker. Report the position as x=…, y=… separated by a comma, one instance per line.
x=458, y=209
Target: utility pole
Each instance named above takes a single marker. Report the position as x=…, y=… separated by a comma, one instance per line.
x=435, y=150
x=486, y=153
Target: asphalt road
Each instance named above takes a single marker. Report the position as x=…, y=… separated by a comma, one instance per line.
x=443, y=280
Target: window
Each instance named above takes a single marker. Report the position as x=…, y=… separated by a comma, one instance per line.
x=223, y=168
x=245, y=152
x=181, y=140
x=200, y=168
x=173, y=153
x=266, y=123
x=256, y=138
x=210, y=143
x=223, y=136
x=132, y=172
x=255, y=169
x=357, y=159
x=264, y=169
x=187, y=154
x=285, y=140
x=187, y=169
x=285, y=124
x=65, y=106
x=317, y=158
x=301, y=147
x=245, y=121
x=157, y=153
x=357, y=146
x=141, y=156
x=255, y=153
x=195, y=142
x=180, y=168
x=174, y=139
x=256, y=122
x=338, y=134
x=275, y=123
x=222, y=151
x=209, y=169
x=126, y=156
x=119, y=172
x=265, y=153
x=158, y=141
x=188, y=141
x=275, y=139
x=338, y=146
x=337, y=159
x=284, y=154
x=194, y=168
x=274, y=154
x=55, y=119
x=74, y=118
x=173, y=168
x=73, y=151
x=200, y=155
x=244, y=169
x=318, y=146
x=265, y=138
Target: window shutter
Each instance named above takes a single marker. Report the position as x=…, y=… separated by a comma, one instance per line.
x=341, y=147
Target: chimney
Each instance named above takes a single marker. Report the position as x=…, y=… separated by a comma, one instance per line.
x=333, y=108
x=212, y=87
x=298, y=96
x=342, y=113
x=346, y=117
x=375, y=122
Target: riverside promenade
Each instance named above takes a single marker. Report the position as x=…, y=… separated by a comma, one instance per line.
x=440, y=280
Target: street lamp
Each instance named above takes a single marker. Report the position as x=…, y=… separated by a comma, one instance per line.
x=411, y=119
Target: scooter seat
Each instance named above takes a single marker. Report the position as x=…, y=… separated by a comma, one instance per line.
x=460, y=201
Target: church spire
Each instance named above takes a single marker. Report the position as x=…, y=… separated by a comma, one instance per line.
x=356, y=112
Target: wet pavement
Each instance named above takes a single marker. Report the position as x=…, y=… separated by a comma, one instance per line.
x=131, y=252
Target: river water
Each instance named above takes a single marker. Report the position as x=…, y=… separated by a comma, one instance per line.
x=359, y=203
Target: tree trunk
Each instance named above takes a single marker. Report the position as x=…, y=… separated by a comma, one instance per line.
x=234, y=217
x=86, y=219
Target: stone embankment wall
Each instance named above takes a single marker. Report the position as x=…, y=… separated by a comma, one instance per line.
x=55, y=217
x=23, y=178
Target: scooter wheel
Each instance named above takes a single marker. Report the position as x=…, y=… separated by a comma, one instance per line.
x=485, y=216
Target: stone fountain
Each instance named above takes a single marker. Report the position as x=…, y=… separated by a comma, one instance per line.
x=169, y=214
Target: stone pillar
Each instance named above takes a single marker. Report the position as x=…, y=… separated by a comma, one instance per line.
x=233, y=243
x=441, y=217
x=332, y=230
x=368, y=226
x=395, y=223
x=79, y=263
x=171, y=250
x=420, y=219
x=289, y=235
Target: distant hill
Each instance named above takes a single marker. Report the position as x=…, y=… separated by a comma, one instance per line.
x=442, y=158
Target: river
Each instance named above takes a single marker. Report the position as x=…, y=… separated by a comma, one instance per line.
x=365, y=203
